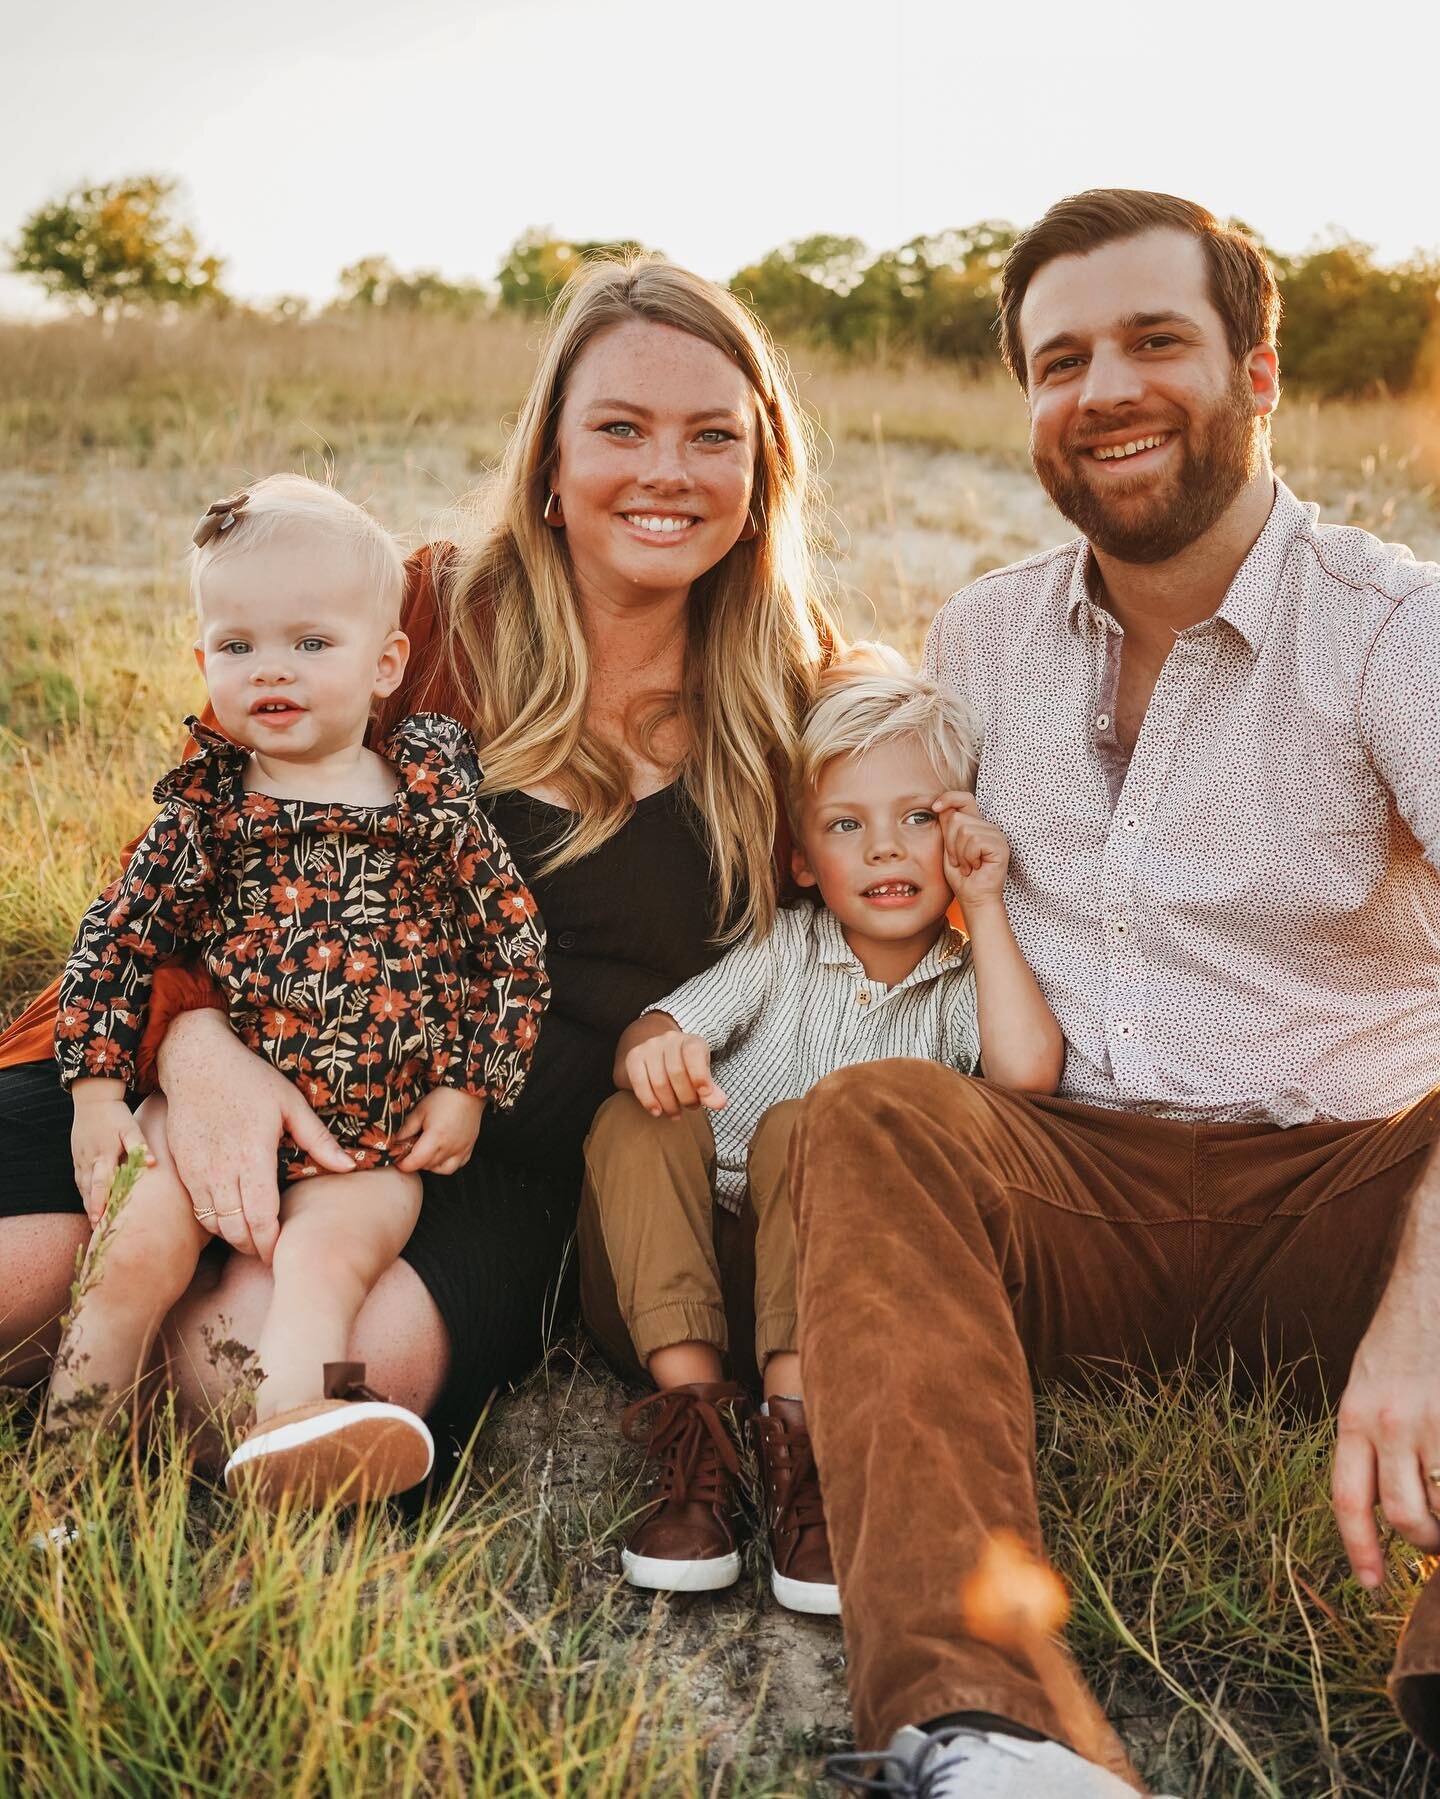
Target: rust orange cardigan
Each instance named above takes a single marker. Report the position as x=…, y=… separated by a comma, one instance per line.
x=427, y=687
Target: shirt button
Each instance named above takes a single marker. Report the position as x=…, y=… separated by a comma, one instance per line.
x=1132, y=823
x=1121, y=927
x=1125, y=1028
x=566, y=940
x=862, y=998
x=1103, y=722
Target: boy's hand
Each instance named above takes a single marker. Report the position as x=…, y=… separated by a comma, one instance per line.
x=672, y=1072
x=103, y=1133
x=444, y=1124
x=977, y=855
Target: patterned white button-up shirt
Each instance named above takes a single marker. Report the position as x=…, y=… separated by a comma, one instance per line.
x=1243, y=922
x=781, y=1011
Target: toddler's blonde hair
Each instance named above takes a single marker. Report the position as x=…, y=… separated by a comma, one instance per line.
x=278, y=503
x=870, y=697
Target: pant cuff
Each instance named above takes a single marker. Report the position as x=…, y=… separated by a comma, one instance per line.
x=661, y=1327
x=777, y=1333
x=934, y=1702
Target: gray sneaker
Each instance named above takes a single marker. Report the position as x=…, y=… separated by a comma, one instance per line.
x=975, y=1764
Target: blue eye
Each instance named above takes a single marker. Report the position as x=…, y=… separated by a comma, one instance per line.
x=618, y=425
x=313, y=643
x=715, y=435
x=923, y=813
x=235, y=648
x=843, y=824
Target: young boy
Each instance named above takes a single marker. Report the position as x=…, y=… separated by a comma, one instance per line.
x=887, y=834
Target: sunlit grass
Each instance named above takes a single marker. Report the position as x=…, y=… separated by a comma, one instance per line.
x=187, y=1645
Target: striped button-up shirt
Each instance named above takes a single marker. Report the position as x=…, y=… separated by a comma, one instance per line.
x=1243, y=920
x=781, y=1011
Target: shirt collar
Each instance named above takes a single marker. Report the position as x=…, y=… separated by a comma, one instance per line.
x=949, y=948
x=1250, y=599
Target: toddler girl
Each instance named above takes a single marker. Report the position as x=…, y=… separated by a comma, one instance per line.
x=372, y=940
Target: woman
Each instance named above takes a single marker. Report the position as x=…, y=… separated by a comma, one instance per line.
x=631, y=643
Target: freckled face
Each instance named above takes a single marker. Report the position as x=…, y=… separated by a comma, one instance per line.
x=294, y=646
x=1142, y=428
x=654, y=459
x=870, y=842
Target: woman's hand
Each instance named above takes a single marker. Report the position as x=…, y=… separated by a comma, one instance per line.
x=103, y=1134
x=228, y=1110
x=444, y=1126
x=977, y=855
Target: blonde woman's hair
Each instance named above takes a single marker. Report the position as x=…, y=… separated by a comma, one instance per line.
x=280, y=504
x=870, y=698
x=758, y=628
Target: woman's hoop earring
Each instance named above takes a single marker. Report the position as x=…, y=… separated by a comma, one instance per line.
x=554, y=513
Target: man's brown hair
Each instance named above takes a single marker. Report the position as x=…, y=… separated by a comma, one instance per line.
x=1242, y=284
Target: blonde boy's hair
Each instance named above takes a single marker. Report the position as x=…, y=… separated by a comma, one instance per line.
x=281, y=503
x=871, y=697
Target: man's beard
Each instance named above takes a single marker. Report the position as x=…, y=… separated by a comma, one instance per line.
x=1219, y=453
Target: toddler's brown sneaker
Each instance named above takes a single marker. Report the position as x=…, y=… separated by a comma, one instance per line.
x=685, y=1540
x=350, y=1445
x=801, y=1576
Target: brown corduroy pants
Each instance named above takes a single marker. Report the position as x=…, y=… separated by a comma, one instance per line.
x=957, y=1239
x=661, y=1262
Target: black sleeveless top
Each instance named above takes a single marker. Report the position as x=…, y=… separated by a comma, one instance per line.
x=623, y=926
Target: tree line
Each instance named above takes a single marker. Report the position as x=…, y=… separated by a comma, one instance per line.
x=1352, y=324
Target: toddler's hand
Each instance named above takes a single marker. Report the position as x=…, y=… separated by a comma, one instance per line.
x=977, y=855
x=444, y=1124
x=103, y=1133
x=672, y=1072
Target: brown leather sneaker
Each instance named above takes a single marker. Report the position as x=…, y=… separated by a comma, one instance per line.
x=351, y=1445
x=685, y=1540
x=801, y=1576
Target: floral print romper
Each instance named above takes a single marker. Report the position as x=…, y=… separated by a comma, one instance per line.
x=369, y=952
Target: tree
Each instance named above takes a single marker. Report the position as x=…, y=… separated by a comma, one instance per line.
x=538, y=264
x=108, y=249
x=374, y=281
x=1351, y=326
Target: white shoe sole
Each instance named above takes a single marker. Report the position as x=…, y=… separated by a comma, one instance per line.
x=666, y=1576
x=364, y=1447
x=818, y=1597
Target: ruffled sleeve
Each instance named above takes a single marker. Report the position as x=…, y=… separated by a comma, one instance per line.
x=154, y=909
x=496, y=918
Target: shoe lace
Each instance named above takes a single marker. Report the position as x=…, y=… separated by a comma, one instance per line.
x=686, y=1435
x=797, y=1499
x=922, y=1778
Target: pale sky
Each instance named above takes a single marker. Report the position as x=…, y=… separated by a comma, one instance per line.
x=310, y=133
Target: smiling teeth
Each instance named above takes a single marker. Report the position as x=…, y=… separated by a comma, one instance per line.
x=888, y=887
x=648, y=522
x=1110, y=452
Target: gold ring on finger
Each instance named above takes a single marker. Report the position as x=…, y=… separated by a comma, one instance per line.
x=209, y=1214
x=1433, y=1476
x=239, y=1212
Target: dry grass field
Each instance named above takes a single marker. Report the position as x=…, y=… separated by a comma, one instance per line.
x=485, y=1645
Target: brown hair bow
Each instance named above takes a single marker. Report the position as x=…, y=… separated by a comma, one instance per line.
x=219, y=517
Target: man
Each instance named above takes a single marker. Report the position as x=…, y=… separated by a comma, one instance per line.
x=1212, y=736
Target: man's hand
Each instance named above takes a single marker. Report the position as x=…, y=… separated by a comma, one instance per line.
x=103, y=1134
x=444, y=1126
x=228, y=1110
x=977, y=855
x=1388, y=1435
x=670, y=1072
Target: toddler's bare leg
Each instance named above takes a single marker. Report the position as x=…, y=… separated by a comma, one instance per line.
x=338, y=1235
x=138, y=1264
